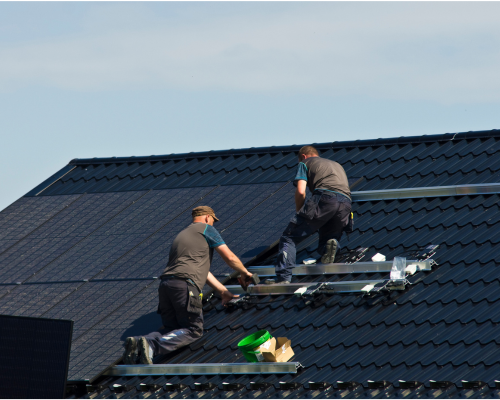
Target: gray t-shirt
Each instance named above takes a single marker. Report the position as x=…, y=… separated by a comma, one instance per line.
x=324, y=174
x=191, y=253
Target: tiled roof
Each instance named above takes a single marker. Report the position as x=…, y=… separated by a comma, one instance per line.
x=438, y=160
x=88, y=243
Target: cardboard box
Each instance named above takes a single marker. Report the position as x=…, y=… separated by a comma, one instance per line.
x=276, y=350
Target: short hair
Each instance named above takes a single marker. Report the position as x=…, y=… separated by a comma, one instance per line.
x=308, y=151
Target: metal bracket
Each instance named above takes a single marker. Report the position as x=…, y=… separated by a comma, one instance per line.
x=363, y=286
x=352, y=256
x=363, y=267
x=204, y=369
x=427, y=252
x=243, y=299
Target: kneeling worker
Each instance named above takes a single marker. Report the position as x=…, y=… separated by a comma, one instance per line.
x=180, y=291
x=327, y=211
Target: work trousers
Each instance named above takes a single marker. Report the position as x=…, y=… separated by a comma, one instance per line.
x=326, y=212
x=180, y=327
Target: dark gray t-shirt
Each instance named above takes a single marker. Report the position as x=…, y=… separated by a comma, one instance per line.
x=324, y=174
x=191, y=253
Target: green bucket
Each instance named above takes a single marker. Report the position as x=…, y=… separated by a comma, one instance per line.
x=248, y=344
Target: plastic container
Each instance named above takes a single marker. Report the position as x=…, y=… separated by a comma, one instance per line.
x=249, y=345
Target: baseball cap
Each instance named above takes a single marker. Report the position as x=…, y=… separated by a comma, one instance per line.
x=203, y=210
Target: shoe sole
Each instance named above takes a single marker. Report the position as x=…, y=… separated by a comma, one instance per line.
x=331, y=251
x=144, y=351
x=130, y=354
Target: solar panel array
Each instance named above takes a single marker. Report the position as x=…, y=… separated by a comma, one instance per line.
x=94, y=258
x=34, y=355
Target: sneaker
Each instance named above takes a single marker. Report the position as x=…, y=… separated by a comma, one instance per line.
x=130, y=353
x=330, y=251
x=144, y=352
x=284, y=282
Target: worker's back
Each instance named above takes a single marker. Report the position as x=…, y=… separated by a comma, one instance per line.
x=326, y=174
x=191, y=253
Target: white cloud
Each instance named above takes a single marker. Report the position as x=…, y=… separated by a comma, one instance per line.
x=446, y=52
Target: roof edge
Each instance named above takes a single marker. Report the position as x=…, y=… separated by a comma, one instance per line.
x=293, y=148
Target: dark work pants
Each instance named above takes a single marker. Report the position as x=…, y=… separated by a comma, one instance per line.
x=180, y=327
x=325, y=212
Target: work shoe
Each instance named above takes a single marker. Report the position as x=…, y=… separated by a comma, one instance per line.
x=330, y=251
x=144, y=351
x=130, y=353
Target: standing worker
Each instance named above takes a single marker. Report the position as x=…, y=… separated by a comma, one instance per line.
x=328, y=210
x=180, y=291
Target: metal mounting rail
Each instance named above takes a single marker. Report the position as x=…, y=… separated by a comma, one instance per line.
x=204, y=369
x=356, y=268
x=332, y=287
x=433, y=191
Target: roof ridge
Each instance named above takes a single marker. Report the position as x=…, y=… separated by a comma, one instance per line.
x=293, y=148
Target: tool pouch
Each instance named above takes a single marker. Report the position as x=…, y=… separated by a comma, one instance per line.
x=195, y=300
x=310, y=208
x=350, y=224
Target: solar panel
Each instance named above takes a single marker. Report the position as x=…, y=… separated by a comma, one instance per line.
x=92, y=302
x=28, y=213
x=34, y=357
x=120, y=234
x=102, y=345
x=35, y=300
x=149, y=257
x=5, y=244
x=259, y=228
x=60, y=234
x=229, y=203
x=4, y=290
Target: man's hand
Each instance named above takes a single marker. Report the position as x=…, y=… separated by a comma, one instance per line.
x=227, y=296
x=246, y=280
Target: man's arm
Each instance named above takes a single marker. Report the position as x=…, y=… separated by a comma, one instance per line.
x=232, y=260
x=300, y=194
x=225, y=294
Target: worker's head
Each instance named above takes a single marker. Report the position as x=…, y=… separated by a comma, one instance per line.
x=204, y=214
x=306, y=152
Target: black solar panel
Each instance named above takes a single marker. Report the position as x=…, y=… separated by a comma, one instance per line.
x=103, y=344
x=92, y=302
x=5, y=244
x=149, y=257
x=27, y=213
x=35, y=300
x=4, y=290
x=34, y=357
x=60, y=234
x=259, y=228
x=229, y=203
x=119, y=235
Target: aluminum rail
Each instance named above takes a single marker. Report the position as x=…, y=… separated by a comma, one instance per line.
x=204, y=369
x=278, y=289
x=433, y=191
x=356, y=268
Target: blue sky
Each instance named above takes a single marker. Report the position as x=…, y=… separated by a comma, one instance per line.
x=97, y=79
